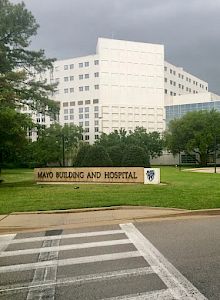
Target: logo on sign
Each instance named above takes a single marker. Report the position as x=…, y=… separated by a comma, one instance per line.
x=150, y=175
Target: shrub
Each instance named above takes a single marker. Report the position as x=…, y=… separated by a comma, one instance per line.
x=135, y=156
x=96, y=156
x=116, y=155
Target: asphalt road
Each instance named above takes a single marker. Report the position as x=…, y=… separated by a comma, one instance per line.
x=175, y=259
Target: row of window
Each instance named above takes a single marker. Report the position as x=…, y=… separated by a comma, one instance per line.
x=85, y=88
x=81, y=116
x=81, y=76
x=182, y=77
x=81, y=110
x=80, y=65
x=174, y=83
x=174, y=94
x=86, y=102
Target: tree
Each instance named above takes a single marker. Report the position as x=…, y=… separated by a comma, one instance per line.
x=113, y=139
x=194, y=133
x=80, y=156
x=116, y=155
x=135, y=156
x=19, y=85
x=96, y=156
x=57, y=144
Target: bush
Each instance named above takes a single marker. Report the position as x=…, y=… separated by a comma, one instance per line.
x=96, y=156
x=135, y=156
x=116, y=155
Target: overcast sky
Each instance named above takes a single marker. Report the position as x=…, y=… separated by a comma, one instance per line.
x=189, y=29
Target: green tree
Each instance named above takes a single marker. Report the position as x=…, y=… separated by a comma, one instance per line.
x=56, y=144
x=96, y=156
x=19, y=84
x=135, y=156
x=194, y=133
x=81, y=153
x=116, y=154
x=113, y=139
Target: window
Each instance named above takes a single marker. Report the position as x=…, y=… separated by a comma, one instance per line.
x=80, y=77
x=174, y=72
x=96, y=129
x=56, y=69
x=87, y=116
x=165, y=68
x=81, y=88
x=57, y=80
x=80, y=109
x=86, y=123
x=95, y=101
x=96, y=62
x=65, y=91
x=66, y=79
x=165, y=79
x=65, y=67
x=65, y=104
x=80, y=116
x=96, y=74
x=80, y=123
x=66, y=111
x=174, y=83
x=72, y=66
x=80, y=102
x=96, y=108
x=96, y=122
x=86, y=137
x=86, y=88
x=179, y=85
x=96, y=115
x=86, y=129
x=171, y=93
x=71, y=111
x=87, y=102
x=71, y=117
x=65, y=117
x=171, y=71
x=165, y=91
x=86, y=109
x=86, y=76
x=71, y=78
x=86, y=64
x=80, y=65
x=171, y=82
x=96, y=137
x=72, y=103
x=71, y=90
x=96, y=86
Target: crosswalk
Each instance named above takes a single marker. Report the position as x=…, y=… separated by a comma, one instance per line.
x=114, y=264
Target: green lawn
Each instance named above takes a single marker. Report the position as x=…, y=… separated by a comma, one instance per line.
x=187, y=190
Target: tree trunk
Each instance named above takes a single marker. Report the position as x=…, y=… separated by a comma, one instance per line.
x=203, y=159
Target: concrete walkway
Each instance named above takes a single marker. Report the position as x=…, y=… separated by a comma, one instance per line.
x=78, y=218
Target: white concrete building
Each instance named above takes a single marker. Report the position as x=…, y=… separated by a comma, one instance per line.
x=123, y=85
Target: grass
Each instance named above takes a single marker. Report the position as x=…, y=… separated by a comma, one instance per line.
x=186, y=190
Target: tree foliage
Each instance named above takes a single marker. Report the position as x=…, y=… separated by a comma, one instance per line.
x=96, y=156
x=135, y=156
x=53, y=141
x=194, y=133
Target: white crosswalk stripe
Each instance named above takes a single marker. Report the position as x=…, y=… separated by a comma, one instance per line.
x=45, y=280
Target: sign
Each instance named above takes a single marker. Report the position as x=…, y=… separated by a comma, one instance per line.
x=92, y=175
x=151, y=176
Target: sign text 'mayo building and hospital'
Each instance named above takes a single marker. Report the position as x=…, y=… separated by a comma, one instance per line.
x=95, y=175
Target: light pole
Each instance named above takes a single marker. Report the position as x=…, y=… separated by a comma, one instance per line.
x=63, y=149
x=215, y=152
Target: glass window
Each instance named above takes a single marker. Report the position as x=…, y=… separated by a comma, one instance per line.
x=80, y=116
x=96, y=74
x=66, y=79
x=96, y=115
x=86, y=137
x=71, y=110
x=65, y=91
x=71, y=78
x=65, y=104
x=72, y=66
x=95, y=101
x=96, y=62
x=71, y=117
x=81, y=88
x=80, y=102
x=71, y=90
x=87, y=116
x=86, y=123
x=96, y=86
x=86, y=129
x=65, y=117
x=86, y=109
x=65, y=67
x=86, y=76
x=72, y=103
x=80, y=65
x=96, y=122
x=86, y=88
x=96, y=129
x=80, y=109
x=80, y=123
x=86, y=64
x=80, y=76
x=96, y=137
x=66, y=111
x=96, y=108
x=87, y=102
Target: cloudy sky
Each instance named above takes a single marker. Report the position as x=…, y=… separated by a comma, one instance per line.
x=189, y=29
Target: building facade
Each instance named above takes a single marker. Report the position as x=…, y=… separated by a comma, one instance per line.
x=123, y=85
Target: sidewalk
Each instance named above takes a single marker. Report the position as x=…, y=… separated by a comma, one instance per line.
x=77, y=218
